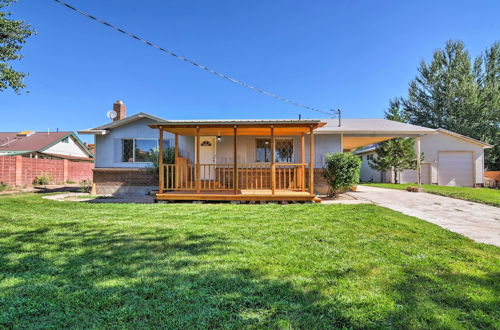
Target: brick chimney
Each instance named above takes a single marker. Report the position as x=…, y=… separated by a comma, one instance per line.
x=120, y=109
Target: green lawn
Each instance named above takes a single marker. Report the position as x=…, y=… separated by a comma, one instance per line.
x=481, y=195
x=70, y=264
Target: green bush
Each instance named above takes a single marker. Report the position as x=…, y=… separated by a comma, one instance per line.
x=42, y=179
x=3, y=186
x=341, y=171
x=85, y=186
x=168, y=158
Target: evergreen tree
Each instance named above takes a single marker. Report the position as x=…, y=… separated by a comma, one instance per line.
x=13, y=34
x=454, y=93
x=487, y=70
x=396, y=111
x=396, y=155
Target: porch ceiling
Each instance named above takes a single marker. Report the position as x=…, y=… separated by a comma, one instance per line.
x=226, y=128
x=353, y=142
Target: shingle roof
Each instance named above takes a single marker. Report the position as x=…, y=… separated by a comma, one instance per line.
x=11, y=142
x=349, y=125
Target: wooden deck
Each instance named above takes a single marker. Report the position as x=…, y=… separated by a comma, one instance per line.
x=243, y=195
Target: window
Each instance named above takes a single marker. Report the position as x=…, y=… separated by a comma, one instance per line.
x=128, y=150
x=369, y=157
x=65, y=140
x=144, y=149
x=284, y=150
x=140, y=150
x=263, y=151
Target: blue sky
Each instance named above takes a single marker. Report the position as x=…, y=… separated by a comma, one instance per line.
x=353, y=55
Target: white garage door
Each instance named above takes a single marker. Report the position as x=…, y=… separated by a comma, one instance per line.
x=410, y=176
x=455, y=169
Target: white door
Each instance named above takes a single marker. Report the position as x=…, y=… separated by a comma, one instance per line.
x=207, y=156
x=455, y=169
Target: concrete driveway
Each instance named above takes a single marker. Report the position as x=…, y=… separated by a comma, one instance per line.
x=477, y=221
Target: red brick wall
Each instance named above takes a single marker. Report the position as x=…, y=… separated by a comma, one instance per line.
x=8, y=170
x=78, y=171
x=18, y=171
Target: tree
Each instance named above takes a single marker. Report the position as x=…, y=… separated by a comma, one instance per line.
x=487, y=68
x=168, y=158
x=396, y=155
x=395, y=111
x=13, y=34
x=454, y=93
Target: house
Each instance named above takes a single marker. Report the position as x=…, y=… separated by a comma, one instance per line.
x=450, y=159
x=44, y=145
x=229, y=159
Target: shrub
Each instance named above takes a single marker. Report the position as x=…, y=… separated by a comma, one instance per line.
x=168, y=158
x=42, y=179
x=341, y=171
x=85, y=185
x=3, y=186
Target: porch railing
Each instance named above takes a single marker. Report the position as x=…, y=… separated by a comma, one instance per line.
x=256, y=176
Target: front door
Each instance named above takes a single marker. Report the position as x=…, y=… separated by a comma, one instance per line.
x=207, y=156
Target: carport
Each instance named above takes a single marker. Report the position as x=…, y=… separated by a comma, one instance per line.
x=356, y=133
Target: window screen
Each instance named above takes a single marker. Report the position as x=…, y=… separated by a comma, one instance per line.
x=128, y=150
x=284, y=151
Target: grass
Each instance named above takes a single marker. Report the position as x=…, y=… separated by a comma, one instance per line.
x=480, y=195
x=71, y=264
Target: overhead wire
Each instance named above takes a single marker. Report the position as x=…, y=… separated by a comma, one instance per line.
x=185, y=59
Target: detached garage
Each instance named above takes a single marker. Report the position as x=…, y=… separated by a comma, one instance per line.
x=450, y=159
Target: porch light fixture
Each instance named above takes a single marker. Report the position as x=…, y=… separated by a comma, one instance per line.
x=219, y=138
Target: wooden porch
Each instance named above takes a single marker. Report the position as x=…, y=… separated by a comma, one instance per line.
x=265, y=181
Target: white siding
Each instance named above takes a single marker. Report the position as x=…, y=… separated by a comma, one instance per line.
x=431, y=145
x=71, y=148
x=324, y=143
x=367, y=173
x=109, y=146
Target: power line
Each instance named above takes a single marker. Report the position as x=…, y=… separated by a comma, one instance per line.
x=233, y=80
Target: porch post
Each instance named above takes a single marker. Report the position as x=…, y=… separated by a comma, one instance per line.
x=303, y=161
x=176, y=161
x=161, y=174
x=235, y=162
x=198, y=168
x=311, y=161
x=273, y=166
x=419, y=179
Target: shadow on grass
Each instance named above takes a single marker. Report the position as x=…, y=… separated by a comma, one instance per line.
x=66, y=275
x=86, y=278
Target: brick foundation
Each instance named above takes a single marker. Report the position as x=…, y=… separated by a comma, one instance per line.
x=124, y=181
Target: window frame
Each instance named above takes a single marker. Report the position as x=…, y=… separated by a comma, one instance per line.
x=134, y=147
x=280, y=138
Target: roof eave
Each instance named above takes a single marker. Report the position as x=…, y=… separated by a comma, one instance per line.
x=94, y=131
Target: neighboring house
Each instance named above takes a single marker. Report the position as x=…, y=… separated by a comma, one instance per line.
x=123, y=148
x=450, y=159
x=45, y=145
